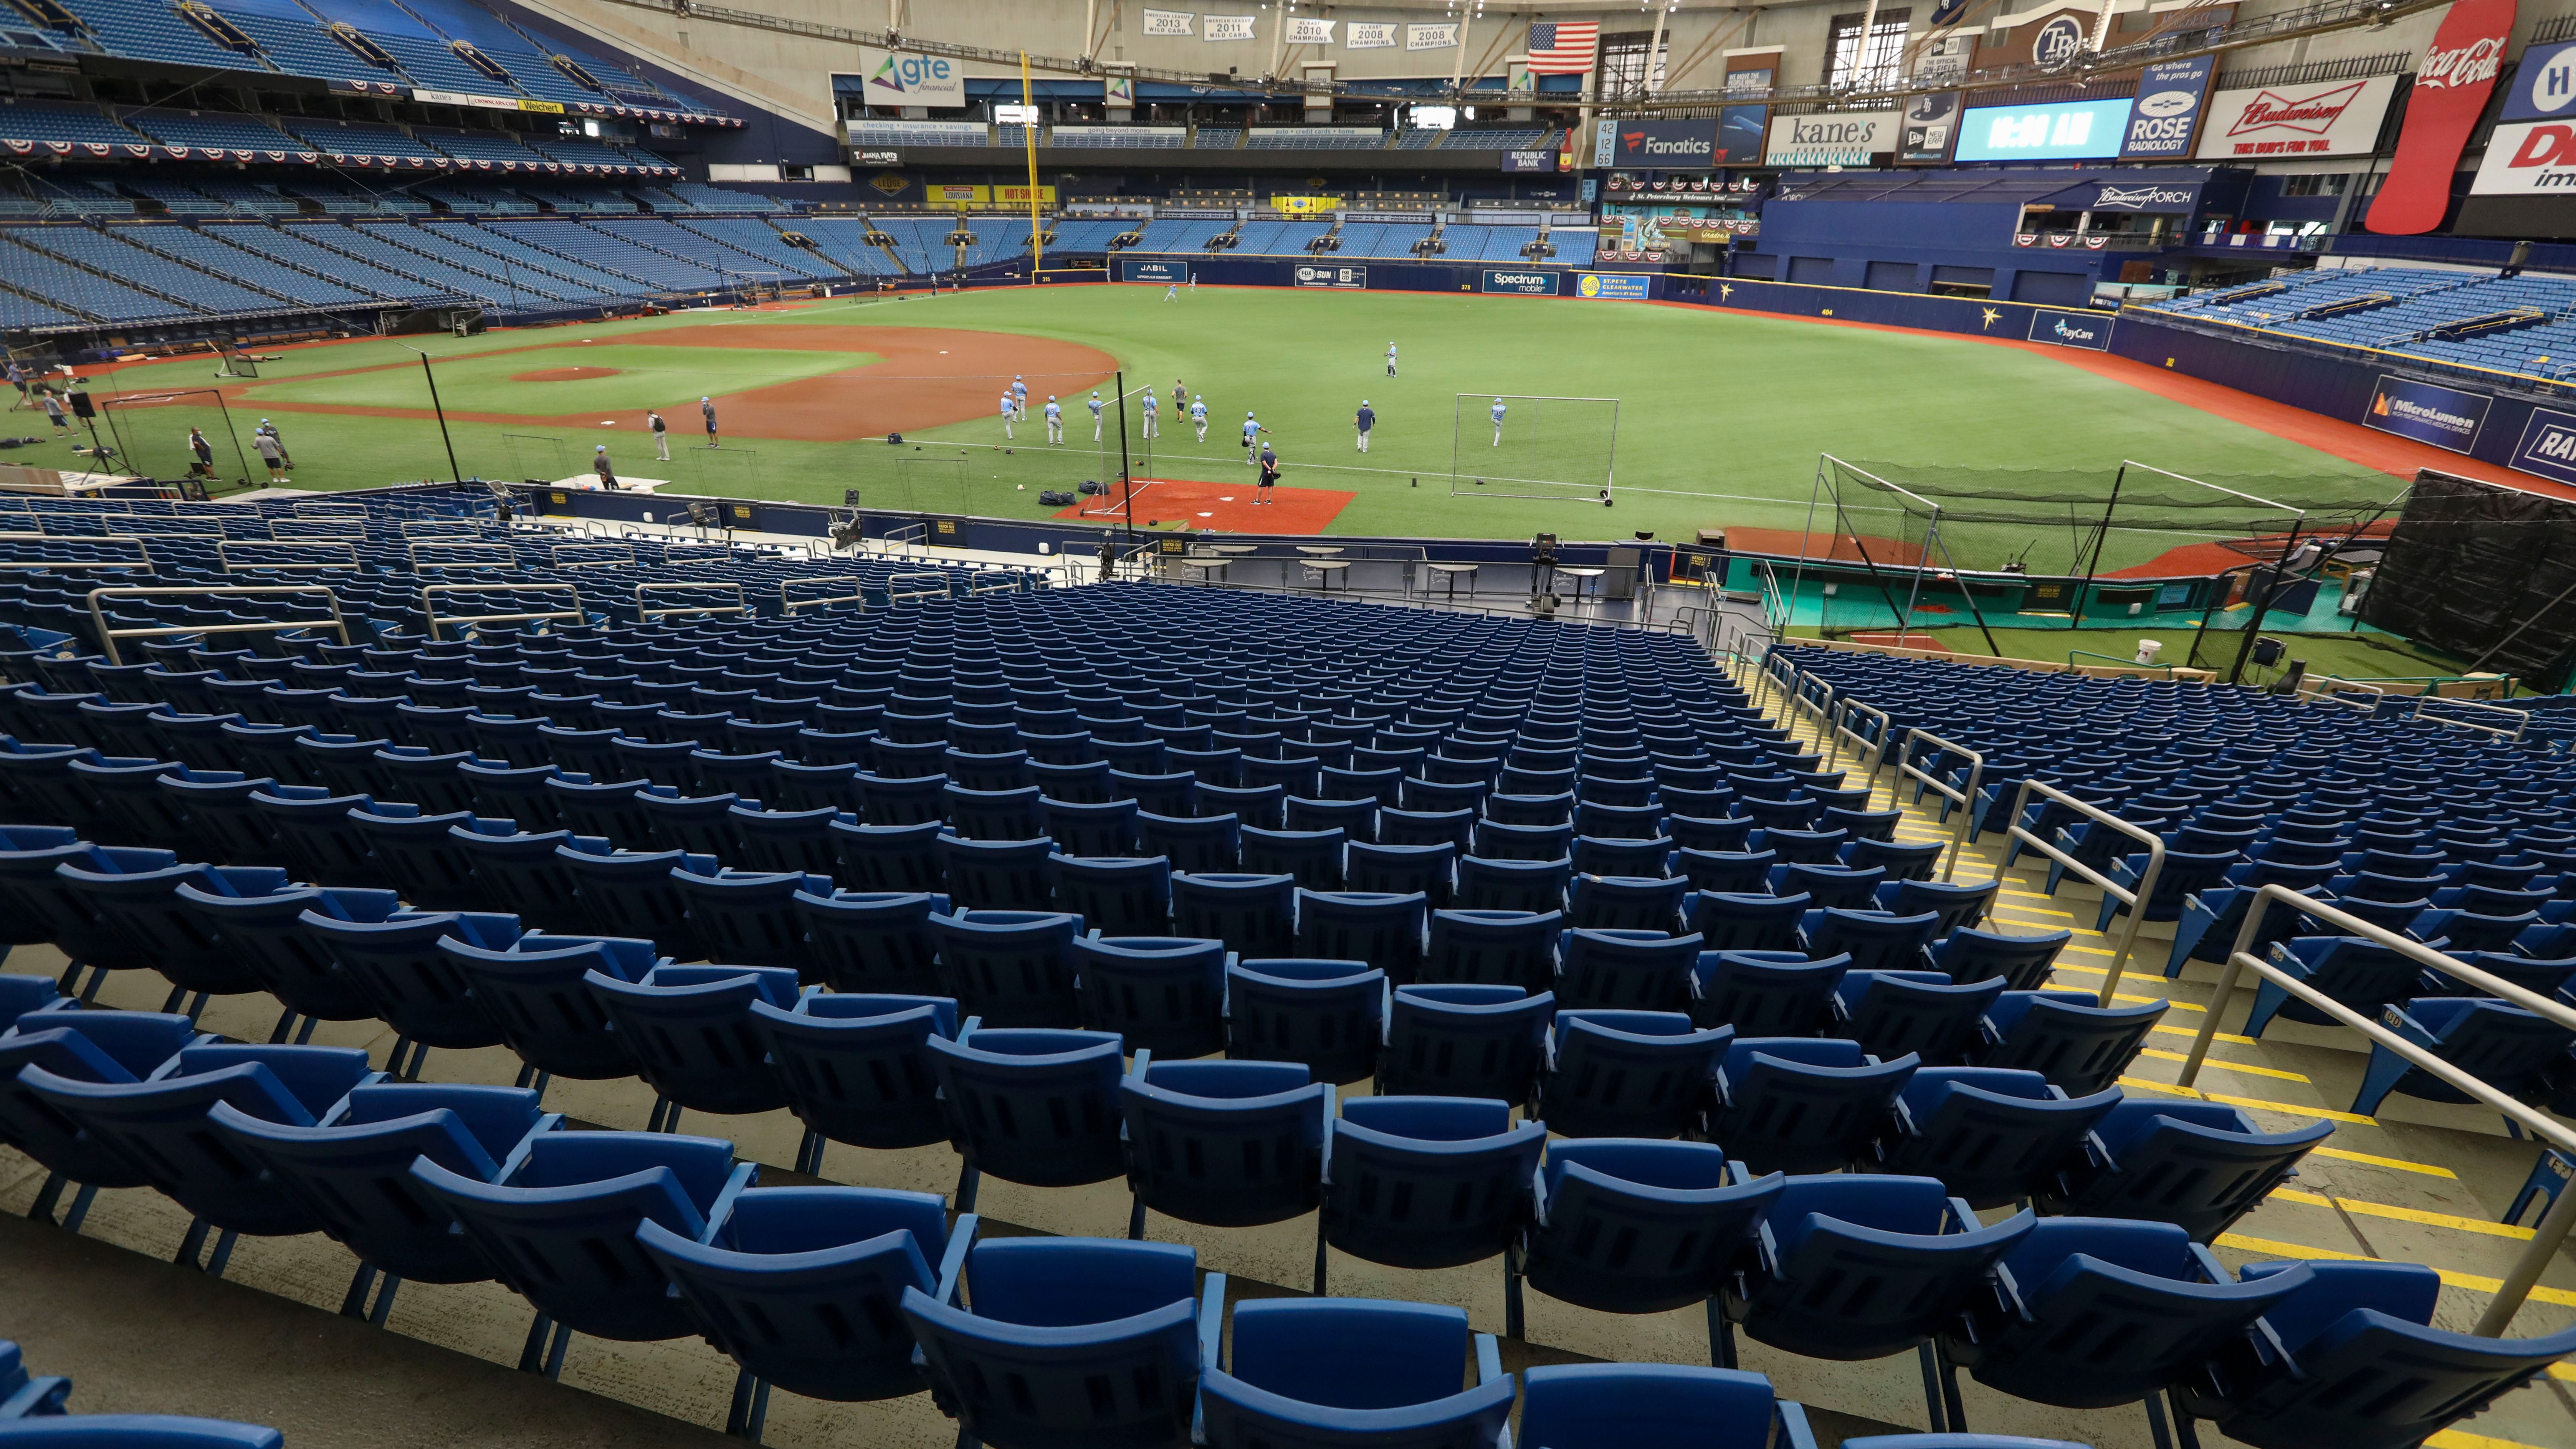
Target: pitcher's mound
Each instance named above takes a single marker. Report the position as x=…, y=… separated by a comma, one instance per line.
x=566, y=374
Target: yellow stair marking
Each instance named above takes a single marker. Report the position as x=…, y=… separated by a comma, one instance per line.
x=2469, y=1281
x=2365, y=1208
x=2460, y=1439
x=2164, y=1056
x=2285, y=1108
x=2399, y=1163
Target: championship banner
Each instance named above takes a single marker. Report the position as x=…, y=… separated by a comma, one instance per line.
x=2451, y=87
x=1431, y=37
x=1368, y=35
x=1170, y=22
x=1304, y=30
x=1225, y=27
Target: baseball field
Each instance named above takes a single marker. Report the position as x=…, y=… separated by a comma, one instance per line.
x=1695, y=418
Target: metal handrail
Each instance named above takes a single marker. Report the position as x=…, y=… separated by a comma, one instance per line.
x=108, y=637
x=431, y=613
x=223, y=552
x=897, y=593
x=646, y=615
x=509, y=556
x=1001, y=581
x=1965, y=798
x=2516, y=1285
x=330, y=527
x=2521, y=717
x=2132, y=899
x=414, y=526
x=1875, y=751
x=115, y=532
x=555, y=559
x=720, y=545
x=791, y=605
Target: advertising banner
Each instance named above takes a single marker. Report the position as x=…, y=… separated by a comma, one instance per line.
x=1669, y=145
x=2054, y=131
x=2528, y=158
x=1319, y=276
x=1135, y=271
x=2548, y=445
x=2167, y=111
x=1520, y=284
x=1611, y=287
x=1931, y=123
x=2451, y=87
x=2544, y=84
x=1304, y=205
x=2442, y=416
x=2329, y=118
x=899, y=78
x=1837, y=138
x=1739, y=134
x=2090, y=330
x=1530, y=161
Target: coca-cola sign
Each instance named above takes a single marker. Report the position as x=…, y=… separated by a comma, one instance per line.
x=2337, y=118
x=2451, y=88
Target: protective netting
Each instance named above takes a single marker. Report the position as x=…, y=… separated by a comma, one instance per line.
x=1563, y=449
x=2109, y=520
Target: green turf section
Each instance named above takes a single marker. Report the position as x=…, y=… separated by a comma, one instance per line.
x=2346, y=655
x=631, y=379
x=1720, y=422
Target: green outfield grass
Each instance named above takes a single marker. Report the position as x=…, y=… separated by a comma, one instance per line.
x=1719, y=422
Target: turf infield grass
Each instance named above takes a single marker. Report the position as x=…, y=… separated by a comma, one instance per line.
x=1721, y=418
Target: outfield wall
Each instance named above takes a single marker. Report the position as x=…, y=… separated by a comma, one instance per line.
x=1328, y=272
x=2449, y=410
x=1968, y=316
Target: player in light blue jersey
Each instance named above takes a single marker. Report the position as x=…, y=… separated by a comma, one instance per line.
x=1096, y=406
x=1054, y=421
x=1498, y=422
x=1390, y=359
x=1198, y=415
x=1153, y=416
x=1008, y=412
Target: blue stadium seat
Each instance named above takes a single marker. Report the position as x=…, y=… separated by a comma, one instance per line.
x=1351, y=1371
x=803, y=1287
x=2199, y=1165
x=854, y=1067
x=1231, y=1144
x=1069, y=1341
x=1387, y=1152
x=1029, y=1106
x=1802, y=1104
x=1628, y=1073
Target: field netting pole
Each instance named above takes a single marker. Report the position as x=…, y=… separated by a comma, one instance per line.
x=454, y=473
x=2262, y=604
x=1843, y=518
x=2075, y=611
x=1126, y=484
x=1965, y=592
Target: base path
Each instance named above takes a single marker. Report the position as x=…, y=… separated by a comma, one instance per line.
x=1189, y=504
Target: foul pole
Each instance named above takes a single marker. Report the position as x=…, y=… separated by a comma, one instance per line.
x=1029, y=132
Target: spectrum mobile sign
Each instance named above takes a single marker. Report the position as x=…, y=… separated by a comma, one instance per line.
x=1520, y=283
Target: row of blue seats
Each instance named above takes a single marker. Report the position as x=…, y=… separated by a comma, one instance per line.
x=636, y=1236
x=35, y=1414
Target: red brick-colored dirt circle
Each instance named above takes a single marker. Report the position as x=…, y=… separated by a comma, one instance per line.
x=566, y=374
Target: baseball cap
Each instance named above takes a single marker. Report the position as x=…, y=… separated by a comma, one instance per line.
x=602, y=448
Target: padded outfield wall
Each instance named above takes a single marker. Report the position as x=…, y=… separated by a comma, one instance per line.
x=2532, y=429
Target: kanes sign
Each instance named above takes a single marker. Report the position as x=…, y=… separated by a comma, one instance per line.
x=2451, y=88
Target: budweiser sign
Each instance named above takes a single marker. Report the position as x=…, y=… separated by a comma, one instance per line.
x=2450, y=92
x=2337, y=119
x=2313, y=114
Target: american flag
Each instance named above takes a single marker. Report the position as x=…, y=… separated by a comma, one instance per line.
x=1562, y=49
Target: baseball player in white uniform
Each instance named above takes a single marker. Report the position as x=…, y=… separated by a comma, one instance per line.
x=1096, y=406
x=1008, y=413
x=1498, y=422
x=1152, y=415
x=1198, y=415
x=1054, y=421
x=1390, y=359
